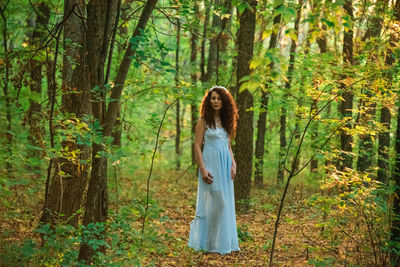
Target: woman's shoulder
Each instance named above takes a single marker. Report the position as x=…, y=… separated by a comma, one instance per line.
x=201, y=123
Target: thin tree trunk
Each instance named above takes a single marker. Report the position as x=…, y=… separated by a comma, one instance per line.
x=178, y=126
x=212, y=51
x=244, y=137
x=203, y=42
x=323, y=48
x=193, y=76
x=300, y=101
x=346, y=105
x=262, y=117
x=368, y=107
x=282, y=131
x=33, y=117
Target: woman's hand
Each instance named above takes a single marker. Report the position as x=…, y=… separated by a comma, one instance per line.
x=207, y=176
x=233, y=170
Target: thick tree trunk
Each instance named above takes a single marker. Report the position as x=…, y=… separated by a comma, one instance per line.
x=7, y=62
x=33, y=116
x=101, y=18
x=395, y=226
x=385, y=119
x=346, y=105
x=98, y=34
x=244, y=137
x=262, y=117
x=70, y=176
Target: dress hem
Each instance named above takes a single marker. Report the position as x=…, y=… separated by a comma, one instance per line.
x=215, y=251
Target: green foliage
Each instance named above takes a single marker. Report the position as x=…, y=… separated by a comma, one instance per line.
x=354, y=217
x=61, y=243
x=243, y=233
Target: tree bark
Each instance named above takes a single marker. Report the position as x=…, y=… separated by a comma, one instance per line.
x=346, y=105
x=98, y=32
x=385, y=119
x=101, y=18
x=323, y=48
x=69, y=181
x=212, y=51
x=7, y=62
x=178, y=125
x=262, y=117
x=368, y=107
x=244, y=138
x=193, y=77
x=395, y=224
x=282, y=131
x=33, y=116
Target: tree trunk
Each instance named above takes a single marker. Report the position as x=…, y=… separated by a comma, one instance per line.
x=385, y=119
x=395, y=226
x=97, y=197
x=282, y=131
x=300, y=100
x=101, y=18
x=323, y=48
x=178, y=125
x=212, y=51
x=33, y=116
x=244, y=138
x=262, y=117
x=69, y=181
x=346, y=105
x=368, y=107
x=7, y=63
x=193, y=76
x=203, y=42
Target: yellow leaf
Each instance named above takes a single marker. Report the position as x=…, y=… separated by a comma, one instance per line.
x=255, y=62
x=266, y=34
x=225, y=16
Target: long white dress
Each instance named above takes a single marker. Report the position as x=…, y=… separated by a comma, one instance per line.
x=214, y=227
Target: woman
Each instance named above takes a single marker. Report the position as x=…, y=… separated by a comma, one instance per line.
x=214, y=227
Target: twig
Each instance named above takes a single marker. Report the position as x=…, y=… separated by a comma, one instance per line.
x=53, y=100
x=151, y=167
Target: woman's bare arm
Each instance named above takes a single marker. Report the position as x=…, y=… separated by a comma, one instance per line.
x=200, y=129
x=233, y=167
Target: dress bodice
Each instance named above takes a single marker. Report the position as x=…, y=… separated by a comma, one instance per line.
x=215, y=136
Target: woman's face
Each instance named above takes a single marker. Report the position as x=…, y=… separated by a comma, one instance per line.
x=216, y=101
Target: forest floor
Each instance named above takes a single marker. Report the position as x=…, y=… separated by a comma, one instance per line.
x=175, y=194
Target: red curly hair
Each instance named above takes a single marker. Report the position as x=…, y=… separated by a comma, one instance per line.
x=228, y=112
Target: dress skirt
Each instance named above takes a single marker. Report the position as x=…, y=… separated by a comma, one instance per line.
x=214, y=227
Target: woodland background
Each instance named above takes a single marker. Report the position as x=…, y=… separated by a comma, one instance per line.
x=98, y=106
